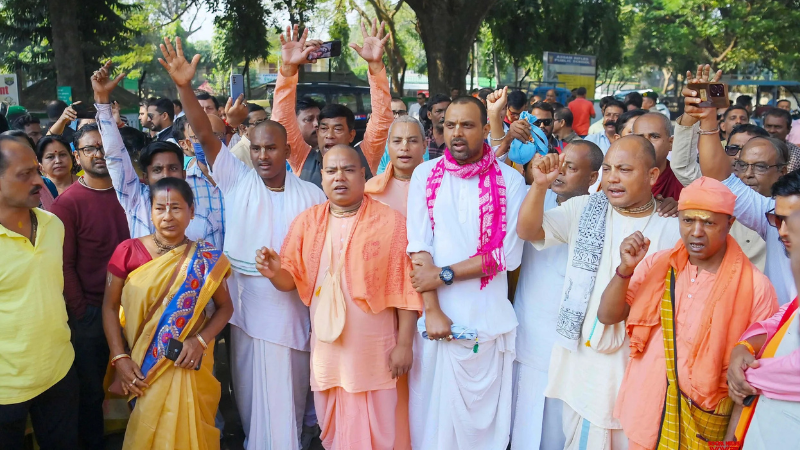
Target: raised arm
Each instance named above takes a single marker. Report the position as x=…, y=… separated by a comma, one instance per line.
x=294, y=52
x=182, y=71
x=714, y=162
x=118, y=160
x=683, y=158
x=381, y=119
x=531, y=213
x=614, y=307
x=67, y=116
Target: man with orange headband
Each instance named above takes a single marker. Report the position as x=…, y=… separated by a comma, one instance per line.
x=668, y=301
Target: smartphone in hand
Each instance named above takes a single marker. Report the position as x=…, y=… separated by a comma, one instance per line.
x=237, y=85
x=330, y=49
x=712, y=95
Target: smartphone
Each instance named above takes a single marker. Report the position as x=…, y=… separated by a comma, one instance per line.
x=330, y=49
x=174, y=348
x=237, y=85
x=84, y=111
x=712, y=95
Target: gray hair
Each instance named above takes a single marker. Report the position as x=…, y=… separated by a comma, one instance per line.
x=408, y=119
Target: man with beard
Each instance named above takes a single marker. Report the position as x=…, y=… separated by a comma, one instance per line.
x=463, y=201
x=759, y=167
x=536, y=420
x=336, y=122
x=437, y=107
x=594, y=227
x=144, y=120
x=161, y=114
x=94, y=224
x=614, y=109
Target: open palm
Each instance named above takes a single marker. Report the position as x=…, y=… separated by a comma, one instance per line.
x=180, y=70
x=293, y=47
x=372, y=50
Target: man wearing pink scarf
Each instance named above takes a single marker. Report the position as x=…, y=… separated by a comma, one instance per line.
x=462, y=221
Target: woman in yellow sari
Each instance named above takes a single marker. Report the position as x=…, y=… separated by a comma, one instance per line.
x=165, y=284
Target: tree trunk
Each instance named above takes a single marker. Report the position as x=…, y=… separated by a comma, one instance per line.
x=67, y=48
x=448, y=28
x=247, y=76
x=496, y=67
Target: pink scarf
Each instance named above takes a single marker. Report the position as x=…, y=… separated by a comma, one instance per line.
x=492, y=200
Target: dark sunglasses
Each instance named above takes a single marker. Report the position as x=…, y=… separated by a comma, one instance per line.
x=732, y=150
x=775, y=220
x=545, y=122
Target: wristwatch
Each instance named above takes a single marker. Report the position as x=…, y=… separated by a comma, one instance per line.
x=447, y=275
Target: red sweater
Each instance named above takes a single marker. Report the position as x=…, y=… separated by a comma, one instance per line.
x=667, y=184
x=94, y=224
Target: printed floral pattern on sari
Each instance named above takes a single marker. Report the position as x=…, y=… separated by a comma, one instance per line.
x=181, y=307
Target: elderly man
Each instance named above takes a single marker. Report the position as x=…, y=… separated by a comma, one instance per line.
x=37, y=376
x=462, y=214
x=270, y=329
x=536, y=420
x=345, y=258
x=594, y=228
x=710, y=276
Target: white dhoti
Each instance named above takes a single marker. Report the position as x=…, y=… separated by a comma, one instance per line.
x=535, y=419
x=270, y=382
x=460, y=399
x=582, y=435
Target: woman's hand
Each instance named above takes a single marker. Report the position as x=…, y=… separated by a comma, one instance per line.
x=130, y=376
x=191, y=354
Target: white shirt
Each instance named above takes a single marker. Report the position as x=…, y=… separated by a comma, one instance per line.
x=258, y=216
x=750, y=211
x=455, y=239
x=413, y=110
x=588, y=379
x=538, y=296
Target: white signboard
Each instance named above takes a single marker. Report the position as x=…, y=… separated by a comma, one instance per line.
x=9, y=89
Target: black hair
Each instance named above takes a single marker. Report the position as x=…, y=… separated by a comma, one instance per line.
x=397, y=99
x=564, y=114
x=635, y=99
x=615, y=102
x=335, y=110
x=3, y=124
x=784, y=100
x=484, y=93
x=780, y=113
x=203, y=95
x=734, y=108
x=748, y=128
x=82, y=131
x=474, y=101
x=787, y=185
x=455, y=89
x=55, y=108
x=144, y=102
x=517, y=99
x=604, y=101
x=557, y=106
x=164, y=105
x=170, y=183
x=744, y=100
x=177, y=103
x=253, y=107
x=595, y=154
x=24, y=120
x=544, y=106
x=626, y=116
x=45, y=141
x=20, y=136
x=154, y=148
x=134, y=139
x=178, y=126
x=307, y=103
x=580, y=91
x=436, y=99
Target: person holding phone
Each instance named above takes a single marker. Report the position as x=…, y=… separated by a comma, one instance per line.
x=164, y=282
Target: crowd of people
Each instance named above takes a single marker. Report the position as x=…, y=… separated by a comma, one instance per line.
x=478, y=272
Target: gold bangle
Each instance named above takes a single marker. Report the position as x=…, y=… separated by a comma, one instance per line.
x=118, y=357
x=748, y=346
x=202, y=341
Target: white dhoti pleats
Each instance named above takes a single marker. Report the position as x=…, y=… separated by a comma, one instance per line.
x=536, y=419
x=582, y=435
x=460, y=399
x=271, y=383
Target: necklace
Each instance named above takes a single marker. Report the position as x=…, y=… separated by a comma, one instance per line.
x=394, y=175
x=83, y=183
x=164, y=248
x=34, y=227
x=346, y=212
x=277, y=189
x=637, y=210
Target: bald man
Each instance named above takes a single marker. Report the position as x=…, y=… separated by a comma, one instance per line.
x=593, y=227
x=269, y=329
x=347, y=260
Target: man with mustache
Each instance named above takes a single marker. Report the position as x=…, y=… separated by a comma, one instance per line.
x=462, y=215
x=594, y=227
x=346, y=259
x=437, y=106
x=673, y=394
x=94, y=224
x=38, y=377
x=614, y=109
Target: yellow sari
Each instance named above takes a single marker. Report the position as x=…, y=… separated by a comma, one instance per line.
x=177, y=410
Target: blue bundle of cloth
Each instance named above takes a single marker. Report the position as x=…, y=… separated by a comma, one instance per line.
x=522, y=152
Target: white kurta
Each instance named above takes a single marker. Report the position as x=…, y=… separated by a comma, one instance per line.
x=460, y=399
x=270, y=338
x=536, y=423
x=588, y=379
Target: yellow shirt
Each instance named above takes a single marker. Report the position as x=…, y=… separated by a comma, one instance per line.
x=35, y=348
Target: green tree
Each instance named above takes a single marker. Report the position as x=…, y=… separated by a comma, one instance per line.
x=340, y=30
x=243, y=37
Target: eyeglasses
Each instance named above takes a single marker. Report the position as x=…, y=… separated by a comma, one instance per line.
x=773, y=219
x=257, y=122
x=732, y=150
x=543, y=122
x=758, y=168
x=400, y=112
x=91, y=150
